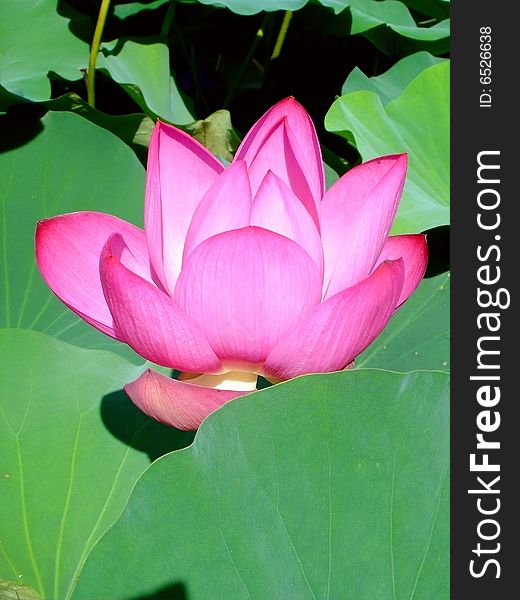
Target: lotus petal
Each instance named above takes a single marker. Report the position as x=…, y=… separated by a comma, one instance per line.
x=336, y=331
x=179, y=173
x=68, y=248
x=356, y=215
x=226, y=206
x=245, y=288
x=414, y=252
x=284, y=141
x=277, y=208
x=151, y=322
x=180, y=404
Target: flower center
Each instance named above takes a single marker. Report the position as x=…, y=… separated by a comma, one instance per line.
x=242, y=381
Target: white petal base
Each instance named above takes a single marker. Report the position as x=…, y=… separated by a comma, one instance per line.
x=240, y=381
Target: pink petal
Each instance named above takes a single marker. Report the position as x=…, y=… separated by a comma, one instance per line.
x=245, y=288
x=304, y=132
x=226, y=206
x=68, y=248
x=414, y=252
x=356, y=215
x=284, y=141
x=182, y=405
x=278, y=209
x=179, y=173
x=149, y=321
x=279, y=154
x=335, y=332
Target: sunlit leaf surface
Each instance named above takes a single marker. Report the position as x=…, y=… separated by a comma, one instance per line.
x=35, y=40
x=417, y=122
x=66, y=164
x=71, y=447
x=418, y=336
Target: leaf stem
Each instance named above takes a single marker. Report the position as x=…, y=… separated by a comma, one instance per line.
x=168, y=20
x=282, y=34
x=94, y=50
x=245, y=63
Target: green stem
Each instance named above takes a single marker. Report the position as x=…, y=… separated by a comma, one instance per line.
x=168, y=20
x=94, y=50
x=200, y=98
x=282, y=34
x=245, y=63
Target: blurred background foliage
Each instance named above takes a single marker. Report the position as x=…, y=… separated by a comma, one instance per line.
x=218, y=58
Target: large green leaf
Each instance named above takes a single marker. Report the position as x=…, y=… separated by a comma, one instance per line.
x=367, y=14
x=439, y=9
x=68, y=165
x=418, y=336
x=416, y=122
x=134, y=129
x=143, y=70
x=122, y=11
x=34, y=41
x=391, y=84
x=251, y=7
x=71, y=445
x=328, y=486
x=27, y=57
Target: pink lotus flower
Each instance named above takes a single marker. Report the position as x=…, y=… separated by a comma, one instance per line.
x=253, y=269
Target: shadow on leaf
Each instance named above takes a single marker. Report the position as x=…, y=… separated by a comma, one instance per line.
x=81, y=25
x=20, y=124
x=175, y=591
x=128, y=424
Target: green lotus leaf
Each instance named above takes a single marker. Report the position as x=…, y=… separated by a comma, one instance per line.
x=417, y=122
x=72, y=446
x=327, y=486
